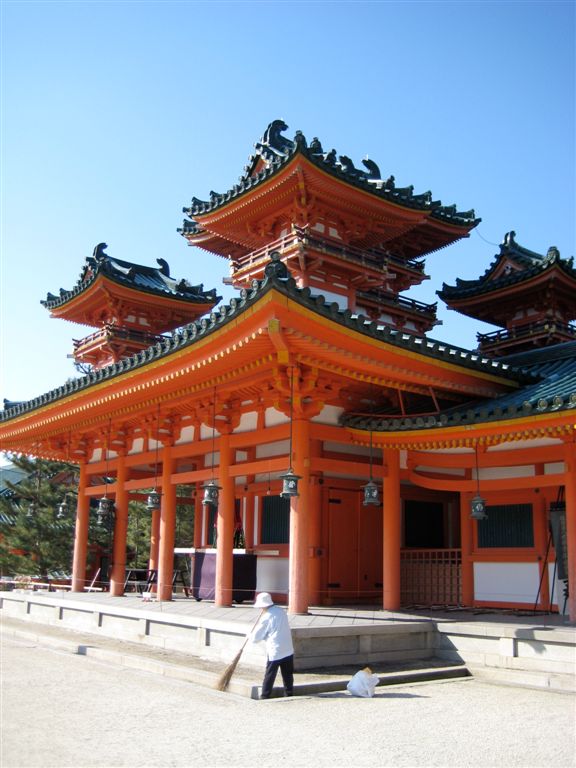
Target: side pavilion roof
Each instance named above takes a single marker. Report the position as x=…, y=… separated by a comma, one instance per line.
x=513, y=266
x=103, y=276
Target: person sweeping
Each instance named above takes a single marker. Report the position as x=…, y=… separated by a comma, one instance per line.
x=273, y=629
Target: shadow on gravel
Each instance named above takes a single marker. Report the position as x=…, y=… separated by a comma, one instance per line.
x=343, y=695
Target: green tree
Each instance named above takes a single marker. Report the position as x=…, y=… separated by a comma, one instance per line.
x=36, y=528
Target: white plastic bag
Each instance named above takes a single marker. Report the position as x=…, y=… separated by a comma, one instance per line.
x=363, y=683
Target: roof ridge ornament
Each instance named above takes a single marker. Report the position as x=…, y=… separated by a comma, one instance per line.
x=276, y=268
x=272, y=142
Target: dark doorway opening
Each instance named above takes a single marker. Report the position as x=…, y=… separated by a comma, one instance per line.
x=424, y=524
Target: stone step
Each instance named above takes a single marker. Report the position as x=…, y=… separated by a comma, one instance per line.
x=245, y=681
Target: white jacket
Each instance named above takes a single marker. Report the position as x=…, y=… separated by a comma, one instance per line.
x=273, y=628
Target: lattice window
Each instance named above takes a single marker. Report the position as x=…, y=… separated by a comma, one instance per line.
x=507, y=525
x=275, y=520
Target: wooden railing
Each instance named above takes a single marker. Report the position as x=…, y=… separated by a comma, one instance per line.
x=431, y=577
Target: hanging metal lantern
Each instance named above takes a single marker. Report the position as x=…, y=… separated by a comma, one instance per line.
x=289, y=484
x=371, y=495
x=478, y=508
x=62, y=509
x=105, y=506
x=153, y=500
x=211, y=490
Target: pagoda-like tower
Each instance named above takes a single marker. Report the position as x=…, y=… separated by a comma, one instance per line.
x=530, y=296
x=341, y=230
x=131, y=306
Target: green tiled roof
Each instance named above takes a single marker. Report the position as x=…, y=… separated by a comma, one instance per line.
x=530, y=265
x=156, y=280
x=554, y=389
x=276, y=151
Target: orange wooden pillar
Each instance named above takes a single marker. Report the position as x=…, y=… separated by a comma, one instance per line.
x=198, y=519
x=154, y=543
x=118, y=575
x=392, y=530
x=570, y=493
x=225, y=526
x=466, y=546
x=167, y=527
x=541, y=545
x=81, y=533
x=299, y=508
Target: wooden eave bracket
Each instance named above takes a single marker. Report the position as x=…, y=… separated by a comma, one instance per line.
x=278, y=340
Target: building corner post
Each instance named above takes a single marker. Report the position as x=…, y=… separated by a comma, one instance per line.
x=392, y=530
x=570, y=489
x=299, y=508
x=81, y=533
x=225, y=527
x=167, y=527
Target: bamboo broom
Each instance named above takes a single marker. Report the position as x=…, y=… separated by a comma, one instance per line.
x=226, y=676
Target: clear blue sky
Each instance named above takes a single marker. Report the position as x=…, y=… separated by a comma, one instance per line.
x=114, y=114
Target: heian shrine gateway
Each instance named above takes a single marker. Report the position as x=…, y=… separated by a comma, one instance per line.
x=364, y=461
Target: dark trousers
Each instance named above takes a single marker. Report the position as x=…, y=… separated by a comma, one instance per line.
x=286, y=666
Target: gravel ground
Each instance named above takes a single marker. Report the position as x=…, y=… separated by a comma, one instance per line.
x=61, y=710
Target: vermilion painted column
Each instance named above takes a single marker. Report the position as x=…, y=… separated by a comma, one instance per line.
x=392, y=530
x=198, y=519
x=167, y=527
x=570, y=492
x=541, y=546
x=154, y=543
x=118, y=575
x=225, y=527
x=81, y=533
x=466, y=546
x=299, y=508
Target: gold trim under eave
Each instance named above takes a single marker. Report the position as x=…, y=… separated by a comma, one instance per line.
x=511, y=430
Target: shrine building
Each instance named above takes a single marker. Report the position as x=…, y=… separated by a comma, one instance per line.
x=364, y=461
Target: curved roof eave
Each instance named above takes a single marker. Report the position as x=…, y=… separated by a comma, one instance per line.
x=276, y=152
x=189, y=334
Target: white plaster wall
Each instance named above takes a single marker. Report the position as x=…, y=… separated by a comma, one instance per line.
x=353, y=450
x=496, y=473
x=206, y=433
x=272, y=574
x=186, y=435
x=454, y=472
x=96, y=455
x=506, y=582
x=554, y=469
x=137, y=446
x=272, y=417
x=272, y=449
x=328, y=415
x=557, y=590
x=248, y=422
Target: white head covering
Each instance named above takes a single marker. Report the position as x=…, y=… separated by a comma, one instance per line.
x=263, y=600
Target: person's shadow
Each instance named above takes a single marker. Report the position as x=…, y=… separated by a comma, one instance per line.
x=391, y=695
